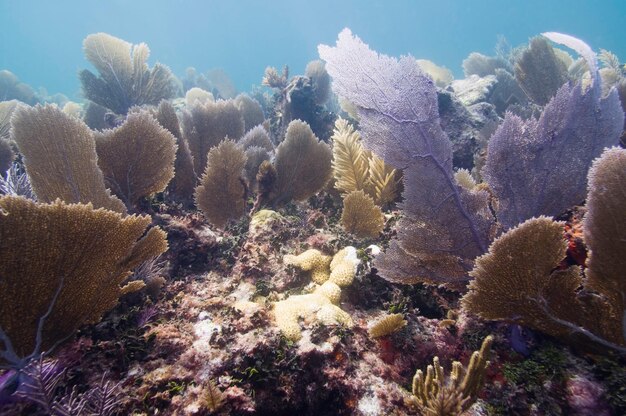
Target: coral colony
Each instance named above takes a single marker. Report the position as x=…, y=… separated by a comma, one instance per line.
x=370, y=238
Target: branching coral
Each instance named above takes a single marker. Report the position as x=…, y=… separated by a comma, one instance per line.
x=357, y=169
x=60, y=157
x=125, y=79
x=137, y=158
x=62, y=266
x=320, y=305
x=221, y=194
x=437, y=396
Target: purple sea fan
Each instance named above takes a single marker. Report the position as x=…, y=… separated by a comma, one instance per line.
x=445, y=226
x=539, y=167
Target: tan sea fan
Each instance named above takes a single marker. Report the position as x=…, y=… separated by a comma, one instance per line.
x=137, y=158
x=361, y=216
x=69, y=259
x=221, y=193
x=60, y=157
x=303, y=164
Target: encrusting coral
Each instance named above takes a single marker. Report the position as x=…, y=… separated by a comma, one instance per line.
x=221, y=193
x=330, y=275
x=62, y=266
x=440, y=397
x=125, y=80
x=314, y=261
x=137, y=158
x=60, y=157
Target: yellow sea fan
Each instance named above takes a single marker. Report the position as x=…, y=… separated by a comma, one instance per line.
x=350, y=162
x=383, y=181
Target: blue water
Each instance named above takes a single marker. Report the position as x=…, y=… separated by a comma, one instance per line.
x=41, y=41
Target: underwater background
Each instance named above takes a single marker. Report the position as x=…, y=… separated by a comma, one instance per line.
x=39, y=38
x=312, y=208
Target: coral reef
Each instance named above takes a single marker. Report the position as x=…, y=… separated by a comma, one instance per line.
x=444, y=227
x=537, y=293
x=293, y=278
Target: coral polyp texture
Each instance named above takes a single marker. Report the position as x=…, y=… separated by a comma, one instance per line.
x=369, y=237
x=331, y=274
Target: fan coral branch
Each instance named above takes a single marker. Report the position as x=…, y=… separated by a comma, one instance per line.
x=184, y=179
x=361, y=216
x=303, y=164
x=83, y=254
x=125, y=80
x=137, y=158
x=446, y=227
x=60, y=157
x=221, y=194
x=206, y=124
x=539, y=167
